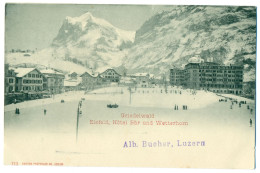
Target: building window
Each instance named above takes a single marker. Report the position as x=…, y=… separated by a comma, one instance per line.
x=11, y=80
x=10, y=89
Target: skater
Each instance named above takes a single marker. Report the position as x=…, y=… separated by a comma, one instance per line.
x=248, y=107
x=174, y=107
x=45, y=111
x=240, y=105
x=251, y=110
x=80, y=102
x=16, y=111
x=250, y=122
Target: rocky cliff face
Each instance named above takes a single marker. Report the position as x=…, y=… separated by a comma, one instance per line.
x=224, y=34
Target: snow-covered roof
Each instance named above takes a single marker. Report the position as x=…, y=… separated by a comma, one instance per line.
x=22, y=71
x=141, y=74
x=103, y=69
x=50, y=71
x=95, y=74
x=71, y=72
x=158, y=78
x=126, y=80
x=195, y=60
x=151, y=75
x=71, y=83
x=110, y=69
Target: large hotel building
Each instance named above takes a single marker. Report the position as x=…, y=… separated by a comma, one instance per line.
x=209, y=76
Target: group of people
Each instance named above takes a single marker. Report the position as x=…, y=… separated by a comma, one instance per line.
x=17, y=111
x=240, y=104
x=174, y=91
x=193, y=92
x=244, y=102
x=156, y=91
x=184, y=107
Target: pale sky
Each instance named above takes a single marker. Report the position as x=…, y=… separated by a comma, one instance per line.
x=30, y=26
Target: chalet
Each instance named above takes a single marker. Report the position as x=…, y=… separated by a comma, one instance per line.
x=73, y=75
x=71, y=85
x=28, y=79
x=53, y=81
x=90, y=80
x=9, y=79
x=110, y=75
x=142, y=80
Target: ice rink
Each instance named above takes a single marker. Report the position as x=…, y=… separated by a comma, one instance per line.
x=32, y=137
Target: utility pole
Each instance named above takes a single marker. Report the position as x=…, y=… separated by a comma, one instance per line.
x=77, y=127
x=130, y=95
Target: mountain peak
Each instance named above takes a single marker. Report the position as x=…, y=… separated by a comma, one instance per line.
x=86, y=18
x=86, y=15
x=83, y=19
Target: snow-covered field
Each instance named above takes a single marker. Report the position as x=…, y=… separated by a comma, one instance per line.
x=34, y=137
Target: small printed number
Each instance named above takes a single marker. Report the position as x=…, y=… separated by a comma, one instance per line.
x=15, y=163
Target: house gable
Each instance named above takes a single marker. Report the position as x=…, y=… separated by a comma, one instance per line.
x=110, y=72
x=86, y=74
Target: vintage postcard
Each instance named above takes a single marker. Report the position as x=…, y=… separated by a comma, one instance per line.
x=130, y=85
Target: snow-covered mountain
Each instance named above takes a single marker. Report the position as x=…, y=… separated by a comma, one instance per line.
x=170, y=38
x=225, y=34
x=92, y=41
